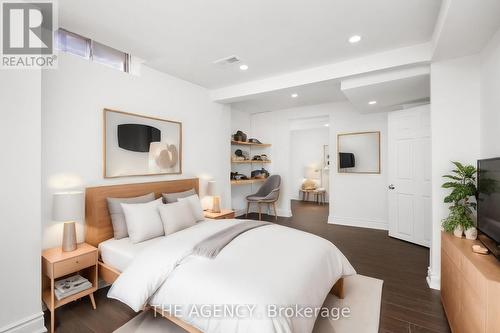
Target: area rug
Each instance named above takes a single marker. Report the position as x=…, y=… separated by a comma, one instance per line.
x=362, y=296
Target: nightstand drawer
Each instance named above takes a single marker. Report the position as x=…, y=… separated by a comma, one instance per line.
x=73, y=265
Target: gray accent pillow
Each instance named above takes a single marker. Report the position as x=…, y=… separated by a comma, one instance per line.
x=172, y=197
x=116, y=212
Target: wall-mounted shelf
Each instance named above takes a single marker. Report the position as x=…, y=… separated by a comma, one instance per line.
x=249, y=162
x=246, y=181
x=241, y=143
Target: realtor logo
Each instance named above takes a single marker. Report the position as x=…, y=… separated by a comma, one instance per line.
x=27, y=34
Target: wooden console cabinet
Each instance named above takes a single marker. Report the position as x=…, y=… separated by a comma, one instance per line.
x=470, y=287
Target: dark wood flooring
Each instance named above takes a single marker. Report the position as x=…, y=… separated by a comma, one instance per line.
x=408, y=305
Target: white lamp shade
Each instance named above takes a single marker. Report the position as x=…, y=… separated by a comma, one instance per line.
x=312, y=172
x=68, y=206
x=211, y=188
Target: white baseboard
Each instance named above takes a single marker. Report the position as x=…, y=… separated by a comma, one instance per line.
x=359, y=222
x=30, y=324
x=239, y=212
x=433, y=280
x=281, y=212
x=284, y=213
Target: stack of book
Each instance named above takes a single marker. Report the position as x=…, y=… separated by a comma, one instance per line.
x=70, y=286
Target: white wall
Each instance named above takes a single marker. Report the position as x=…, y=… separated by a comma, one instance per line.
x=306, y=149
x=359, y=200
x=455, y=93
x=20, y=216
x=490, y=99
x=73, y=97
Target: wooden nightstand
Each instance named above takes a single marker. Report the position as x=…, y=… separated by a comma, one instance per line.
x=57, y=264
x=224, y=214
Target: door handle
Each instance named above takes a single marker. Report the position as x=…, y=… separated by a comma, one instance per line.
x=392, y=187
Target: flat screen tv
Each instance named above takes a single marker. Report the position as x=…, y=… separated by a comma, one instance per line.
x=488, y=203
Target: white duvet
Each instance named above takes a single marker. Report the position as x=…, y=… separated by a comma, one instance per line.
x=243, y=288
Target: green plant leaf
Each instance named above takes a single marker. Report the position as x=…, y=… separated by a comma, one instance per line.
x=452, y=177
x=448, y=199
x=459, y=166
x=450, y=185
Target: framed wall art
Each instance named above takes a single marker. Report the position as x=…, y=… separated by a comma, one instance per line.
x=136, y=145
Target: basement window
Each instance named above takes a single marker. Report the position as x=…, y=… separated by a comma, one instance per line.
x=72, y=43
x=78, y=45
x=109, y=56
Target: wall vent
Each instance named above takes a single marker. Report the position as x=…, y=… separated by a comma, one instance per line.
x=228, y=60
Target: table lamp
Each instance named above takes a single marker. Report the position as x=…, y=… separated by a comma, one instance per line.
x=215, y=207
x=67, y=207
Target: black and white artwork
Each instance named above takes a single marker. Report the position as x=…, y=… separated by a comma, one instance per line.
x=136, y=145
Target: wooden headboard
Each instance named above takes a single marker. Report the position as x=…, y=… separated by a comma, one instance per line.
x=98, y=225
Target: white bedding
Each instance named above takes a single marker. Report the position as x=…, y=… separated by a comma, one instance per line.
x=270, y=265
x=119, y=253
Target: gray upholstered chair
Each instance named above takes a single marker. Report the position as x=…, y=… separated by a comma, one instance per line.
x=268, y=194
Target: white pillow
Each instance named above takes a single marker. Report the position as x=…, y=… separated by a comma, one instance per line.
x=176, y=216
x=195, y=205
x=143, y=220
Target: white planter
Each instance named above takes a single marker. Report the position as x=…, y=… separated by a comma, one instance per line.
x=458, y=231
x=471, y=233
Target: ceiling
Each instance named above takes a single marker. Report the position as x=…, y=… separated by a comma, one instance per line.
x=391, y=95
x=317, y=93
x=184, y=38
x=392, y=90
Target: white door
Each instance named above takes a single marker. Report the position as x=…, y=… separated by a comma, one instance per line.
x=410, y=175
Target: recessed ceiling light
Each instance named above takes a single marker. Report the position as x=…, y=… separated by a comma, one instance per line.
x=243, y=67
x=372, y=102
x=294, y=95
x=354, y=39
x=326, y=125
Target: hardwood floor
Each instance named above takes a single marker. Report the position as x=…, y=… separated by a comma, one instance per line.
x=408, y=305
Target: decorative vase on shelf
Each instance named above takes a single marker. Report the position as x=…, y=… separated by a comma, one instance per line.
x=471, y=233
x=458, y=231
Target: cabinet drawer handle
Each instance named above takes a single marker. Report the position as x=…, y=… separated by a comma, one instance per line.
x=77, y=262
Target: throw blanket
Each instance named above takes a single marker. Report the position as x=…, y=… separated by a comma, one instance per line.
x=211, y=246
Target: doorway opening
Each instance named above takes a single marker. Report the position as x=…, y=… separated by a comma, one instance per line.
x=310, y=163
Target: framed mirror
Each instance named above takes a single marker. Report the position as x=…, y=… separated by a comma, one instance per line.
x=358, y=152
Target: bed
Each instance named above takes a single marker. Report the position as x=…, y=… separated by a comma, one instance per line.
x=119, y=253
x=242, y=273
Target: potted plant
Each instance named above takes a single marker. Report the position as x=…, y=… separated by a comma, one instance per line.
x=462, y=183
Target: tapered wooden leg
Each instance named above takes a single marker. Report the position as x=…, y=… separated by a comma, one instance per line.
x=52, y=306
x=338, y=289
x=92, y=300
x=248, y=208
x=52, y=318
x=260, y=212
x=275, y=212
